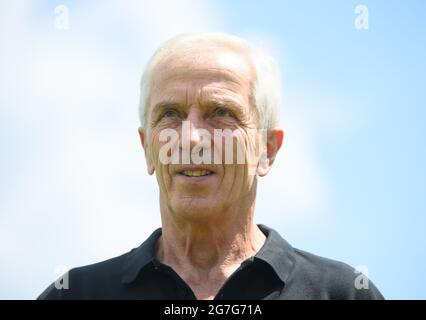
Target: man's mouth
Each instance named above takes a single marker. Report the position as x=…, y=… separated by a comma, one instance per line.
x=196, y=173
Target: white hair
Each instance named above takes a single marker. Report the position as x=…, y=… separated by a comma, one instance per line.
x=266, y=88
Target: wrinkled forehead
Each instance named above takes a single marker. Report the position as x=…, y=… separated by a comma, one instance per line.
x=212, y=62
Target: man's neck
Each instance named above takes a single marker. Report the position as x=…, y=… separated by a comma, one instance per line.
x=206, y=253
x=209, y=246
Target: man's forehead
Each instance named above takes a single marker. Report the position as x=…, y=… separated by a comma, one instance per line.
x=205, y=63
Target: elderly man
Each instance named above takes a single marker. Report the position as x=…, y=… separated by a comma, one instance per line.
x=195, y=88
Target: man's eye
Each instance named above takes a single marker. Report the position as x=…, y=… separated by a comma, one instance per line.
x=170, y=113
x=222, y=112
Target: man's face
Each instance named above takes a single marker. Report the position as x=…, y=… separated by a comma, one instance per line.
x=210, y=89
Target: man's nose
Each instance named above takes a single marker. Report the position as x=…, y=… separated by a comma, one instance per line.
x=195, y=123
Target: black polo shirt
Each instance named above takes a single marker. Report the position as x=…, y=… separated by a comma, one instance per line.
x=277, y=271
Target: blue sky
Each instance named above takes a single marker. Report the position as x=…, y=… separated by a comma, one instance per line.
x=349, y=183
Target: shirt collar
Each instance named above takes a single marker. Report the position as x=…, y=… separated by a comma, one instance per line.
x=138, y=258
x=276, y=252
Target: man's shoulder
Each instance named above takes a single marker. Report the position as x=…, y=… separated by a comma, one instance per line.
x=316, y=264
x=86, y=281
x=110, y=268
x=330, y=279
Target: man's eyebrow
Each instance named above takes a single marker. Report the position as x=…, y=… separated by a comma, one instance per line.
x=213, y=102
x=224, y=103
x=165, y=105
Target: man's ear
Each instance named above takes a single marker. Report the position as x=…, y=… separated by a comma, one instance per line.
x=146, y=148
x=275, y=137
